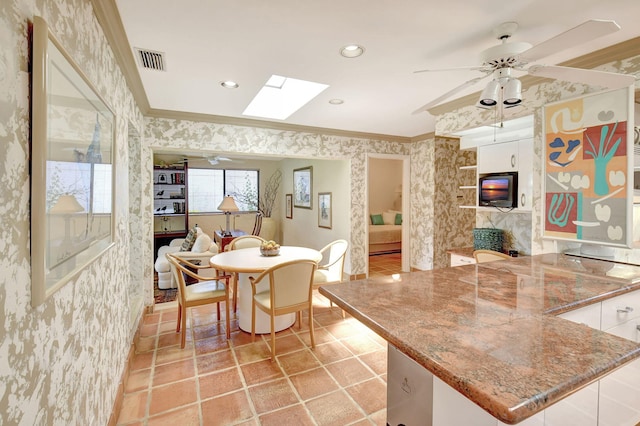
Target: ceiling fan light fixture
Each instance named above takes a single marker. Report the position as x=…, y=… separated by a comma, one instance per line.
x=512, y=92
x=489, y=96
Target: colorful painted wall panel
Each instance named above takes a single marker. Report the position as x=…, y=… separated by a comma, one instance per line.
x=588, y=167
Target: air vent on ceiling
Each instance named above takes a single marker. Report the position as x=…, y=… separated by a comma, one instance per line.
x=151, y=60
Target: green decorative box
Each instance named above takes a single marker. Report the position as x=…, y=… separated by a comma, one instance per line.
x=488, y=239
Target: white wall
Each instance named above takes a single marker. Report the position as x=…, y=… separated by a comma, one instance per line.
x=303, y=230
x=385, y=176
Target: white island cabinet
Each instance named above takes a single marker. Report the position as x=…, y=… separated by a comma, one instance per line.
x=614, y=399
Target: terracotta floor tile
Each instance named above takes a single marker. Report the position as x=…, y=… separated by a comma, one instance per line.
x=272, y=395
x=219, y=383
x=253, y=352
x=147, y=330
x=211, y=344
x=210, y=330
x=297, y=362
x=294, y=415
x=313, y=383
x=174, y=371
x=241, y=338
x=226, y=409
x=334, y=409
x=321, y=336
x=371, y=395
x=349, y=371
x=134, y=407
x=184, y=416
x=332, y=352
x=151, y=319
x=287, y=344
x=142, y=360
x=173, y=395
x=261, y=371
x=138, y=380
x=169, y=316
x=377, y=361
x=330, y=317
x=174, y=353
x=343, y=329
x=360, y=344
x=167, y=327
x=146, y=344
x=219, y=360
x=169, y=339
x=379, y=418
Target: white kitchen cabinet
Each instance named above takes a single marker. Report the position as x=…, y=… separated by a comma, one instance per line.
x=459, y=260
x=498, y=157
x=514, y=156
x=618, y=397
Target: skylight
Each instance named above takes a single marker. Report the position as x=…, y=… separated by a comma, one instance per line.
x=282, y=96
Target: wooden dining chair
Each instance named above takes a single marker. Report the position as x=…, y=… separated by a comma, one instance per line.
x=331, y=270
x=290, y=290
x=205, y=291
x=483, y=256
x=244, y=241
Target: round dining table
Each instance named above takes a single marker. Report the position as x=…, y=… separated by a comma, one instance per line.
x=250, y=262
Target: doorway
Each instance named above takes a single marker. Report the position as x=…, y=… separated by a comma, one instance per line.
x=388, y=207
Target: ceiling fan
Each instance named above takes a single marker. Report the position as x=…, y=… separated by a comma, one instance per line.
x=499, y=61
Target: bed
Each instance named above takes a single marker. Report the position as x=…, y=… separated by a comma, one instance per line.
x=385, y=233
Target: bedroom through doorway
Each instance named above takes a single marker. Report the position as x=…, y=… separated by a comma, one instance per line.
x=386, y=228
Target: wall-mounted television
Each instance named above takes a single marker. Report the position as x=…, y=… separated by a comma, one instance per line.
x=498, y=190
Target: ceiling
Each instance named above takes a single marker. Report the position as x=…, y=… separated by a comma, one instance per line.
x=205, y=42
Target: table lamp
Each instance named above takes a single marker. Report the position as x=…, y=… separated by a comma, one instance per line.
x=66, y=206
x=228, y=205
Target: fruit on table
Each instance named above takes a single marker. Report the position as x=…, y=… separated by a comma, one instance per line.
x=270, y=245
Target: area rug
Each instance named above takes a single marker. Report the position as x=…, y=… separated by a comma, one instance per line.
x=163, y=296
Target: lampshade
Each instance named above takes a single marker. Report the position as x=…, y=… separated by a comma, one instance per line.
x=228, y=204
x=66, y=204
x=512, y=92
x=489, y=95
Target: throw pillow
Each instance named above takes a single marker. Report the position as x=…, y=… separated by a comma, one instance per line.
x=189, y=240
x=376, y=219
x=388, y=218
x=202, y=243
x=398, y=220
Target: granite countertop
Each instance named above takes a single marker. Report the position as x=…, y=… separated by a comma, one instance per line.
x=490, y=330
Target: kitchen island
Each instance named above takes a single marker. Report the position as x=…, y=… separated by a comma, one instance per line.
x=492, y=332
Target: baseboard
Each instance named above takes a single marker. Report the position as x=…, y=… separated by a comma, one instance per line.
x=124, y=378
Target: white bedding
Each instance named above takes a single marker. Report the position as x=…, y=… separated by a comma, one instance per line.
x=385, y=238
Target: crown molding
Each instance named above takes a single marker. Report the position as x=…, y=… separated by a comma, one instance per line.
x=620, y=51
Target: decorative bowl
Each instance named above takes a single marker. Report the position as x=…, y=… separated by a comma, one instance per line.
x=269, y=252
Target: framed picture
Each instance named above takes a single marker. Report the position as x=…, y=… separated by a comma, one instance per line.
x=588, y=161
x=289, y=206
x=302, y=187
x=324, y=210
x=72, y=190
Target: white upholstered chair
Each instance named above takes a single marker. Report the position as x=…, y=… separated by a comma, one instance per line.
x=244, y=241
x=205, y=291
x=290, y=290
x=483, y=256
x=331, y=270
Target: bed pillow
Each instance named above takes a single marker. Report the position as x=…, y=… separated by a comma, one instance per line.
x=398, y=220
x=388, y=218
x=376, y=219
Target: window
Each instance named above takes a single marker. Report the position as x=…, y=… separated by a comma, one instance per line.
x=207, y=188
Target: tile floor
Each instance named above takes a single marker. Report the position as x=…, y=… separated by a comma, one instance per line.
x=385, y=264
x=213, y=381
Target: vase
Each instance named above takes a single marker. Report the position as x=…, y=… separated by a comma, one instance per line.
x=268, y=229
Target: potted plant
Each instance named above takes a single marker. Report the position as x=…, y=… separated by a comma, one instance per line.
x=265, y=203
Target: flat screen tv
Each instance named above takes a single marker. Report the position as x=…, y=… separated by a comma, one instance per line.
x=498, y=190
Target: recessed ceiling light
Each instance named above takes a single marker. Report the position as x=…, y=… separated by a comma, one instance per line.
x=352, y=51
x=282, y=96
x=336, y=101
x=229, y=84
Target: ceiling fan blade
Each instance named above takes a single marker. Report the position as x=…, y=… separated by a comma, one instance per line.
x=587, y=31
x=577, y=75
x=450, y=93
x=472, y=67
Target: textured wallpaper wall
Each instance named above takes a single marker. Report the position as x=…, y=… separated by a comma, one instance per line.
x=60, y=363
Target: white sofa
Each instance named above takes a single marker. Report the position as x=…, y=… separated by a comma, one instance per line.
x=203, y=248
